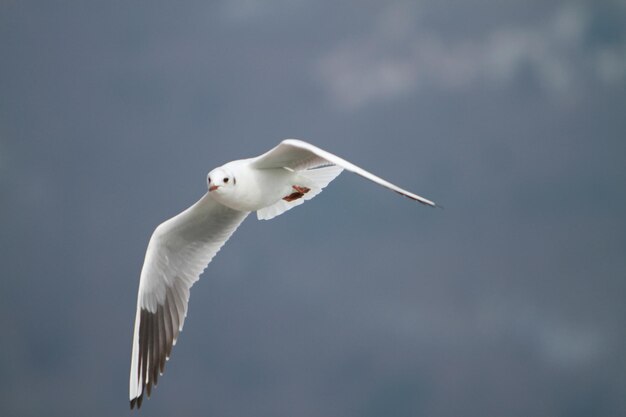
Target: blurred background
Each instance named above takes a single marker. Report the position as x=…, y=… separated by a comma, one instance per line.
x=512, y=114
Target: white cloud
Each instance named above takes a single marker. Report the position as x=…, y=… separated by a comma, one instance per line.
x=397, y=58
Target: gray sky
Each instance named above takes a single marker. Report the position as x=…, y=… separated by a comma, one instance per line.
x=358, y=303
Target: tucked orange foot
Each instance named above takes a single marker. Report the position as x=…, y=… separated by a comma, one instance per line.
x=298, y=193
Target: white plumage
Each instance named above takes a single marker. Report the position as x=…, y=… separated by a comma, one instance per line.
x=182, y=247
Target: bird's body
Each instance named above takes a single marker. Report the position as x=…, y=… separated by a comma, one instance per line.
x=255, y=188
x=182, y=247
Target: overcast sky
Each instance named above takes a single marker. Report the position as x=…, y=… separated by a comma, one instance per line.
x=511, y=114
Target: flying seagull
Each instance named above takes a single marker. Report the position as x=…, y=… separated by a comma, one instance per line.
x=182, y=247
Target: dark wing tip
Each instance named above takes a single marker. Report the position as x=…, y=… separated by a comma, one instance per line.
x=136, y=402
x=157, y=332
x=424, y=201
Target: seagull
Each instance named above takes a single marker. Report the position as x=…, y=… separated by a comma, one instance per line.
x=182, y=247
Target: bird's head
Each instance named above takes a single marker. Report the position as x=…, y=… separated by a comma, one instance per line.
x=220, y=180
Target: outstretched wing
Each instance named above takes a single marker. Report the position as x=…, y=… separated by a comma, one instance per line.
x=179, y=250
x=297, y=155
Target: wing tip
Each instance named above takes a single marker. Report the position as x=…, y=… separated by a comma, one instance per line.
x=136, y=402
x=432, y=204
x=153, y=351
x=420, y=200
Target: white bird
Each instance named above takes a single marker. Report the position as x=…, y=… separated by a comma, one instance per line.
x=182, y=247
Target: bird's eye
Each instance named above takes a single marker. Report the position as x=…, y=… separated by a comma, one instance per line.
x=225, y=180
x=209, y=180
